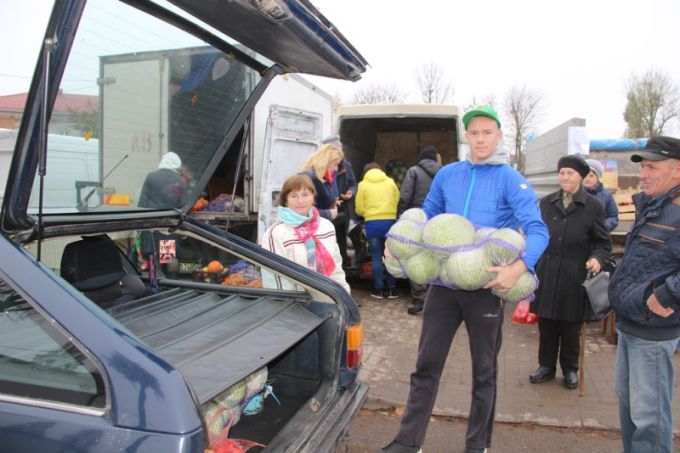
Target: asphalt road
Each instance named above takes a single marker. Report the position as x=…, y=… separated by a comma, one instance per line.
x=371, y=430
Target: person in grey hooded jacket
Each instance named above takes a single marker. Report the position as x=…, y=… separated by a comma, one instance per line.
x=412, y=194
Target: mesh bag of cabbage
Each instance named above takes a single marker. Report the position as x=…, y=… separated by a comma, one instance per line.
x=450, y=248
x=523, y=289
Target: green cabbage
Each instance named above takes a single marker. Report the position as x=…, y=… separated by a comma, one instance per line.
x=467, y=270
x=523, y=289
x=408, y=230
x=482, y=233
x=448, y=231
x=415, y=214
x=394, y=268
x=422, y=268
x=504, y=246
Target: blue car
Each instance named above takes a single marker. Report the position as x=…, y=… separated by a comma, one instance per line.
x=126, y=324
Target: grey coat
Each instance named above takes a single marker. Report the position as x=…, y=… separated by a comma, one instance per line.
x=416, y=185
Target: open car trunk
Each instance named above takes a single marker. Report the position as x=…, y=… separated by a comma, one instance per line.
x=217, y=337
x=126, y=320
x=263, y=364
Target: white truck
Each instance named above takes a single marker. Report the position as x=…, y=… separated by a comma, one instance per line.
x=287, y=124
x=393, y=136
x=385, y=133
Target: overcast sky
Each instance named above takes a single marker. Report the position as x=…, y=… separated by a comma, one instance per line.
x=577, y=53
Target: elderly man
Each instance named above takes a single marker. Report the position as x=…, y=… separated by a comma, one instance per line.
x=645, y=293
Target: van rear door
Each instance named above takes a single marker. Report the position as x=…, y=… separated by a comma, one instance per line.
x=291, y=136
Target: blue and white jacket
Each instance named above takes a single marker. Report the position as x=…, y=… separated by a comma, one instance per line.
x=650, y=264
x=491, y=194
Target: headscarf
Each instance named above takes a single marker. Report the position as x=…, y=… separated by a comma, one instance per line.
x=170, y=161
x=305, y=228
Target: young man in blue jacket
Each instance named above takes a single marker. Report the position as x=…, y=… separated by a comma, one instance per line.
x=488, y=192
x=645, y=293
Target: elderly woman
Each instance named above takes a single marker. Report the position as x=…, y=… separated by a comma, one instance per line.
x=322, y=169
x=595, y=188
x=579, y=243
x=302, y=235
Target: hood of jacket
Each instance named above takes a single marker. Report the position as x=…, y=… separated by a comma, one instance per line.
x=430, y=166
x=375, y=175
x=500, y=157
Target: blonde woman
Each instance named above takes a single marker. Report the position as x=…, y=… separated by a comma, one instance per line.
x=322, y=168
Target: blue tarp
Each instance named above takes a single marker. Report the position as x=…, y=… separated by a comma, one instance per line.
x=611, y=144
x=618, y=144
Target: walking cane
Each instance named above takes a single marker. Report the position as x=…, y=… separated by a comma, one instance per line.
x=582, y=362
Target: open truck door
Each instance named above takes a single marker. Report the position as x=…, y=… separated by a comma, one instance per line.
x=291, y=136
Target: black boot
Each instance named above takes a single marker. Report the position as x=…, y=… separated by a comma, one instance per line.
x=415, y=308
x=570, y=379
x=542, y=374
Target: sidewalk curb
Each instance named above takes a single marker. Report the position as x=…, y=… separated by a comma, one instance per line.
x=381, y=404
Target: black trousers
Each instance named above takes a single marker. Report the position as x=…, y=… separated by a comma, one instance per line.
x=562, y=336
x=444, y=311
x=341, y=223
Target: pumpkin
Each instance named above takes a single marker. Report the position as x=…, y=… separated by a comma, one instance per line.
x=214, y=267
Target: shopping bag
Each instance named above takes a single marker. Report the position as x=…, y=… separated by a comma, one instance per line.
x=597, y=288
x=522, y=314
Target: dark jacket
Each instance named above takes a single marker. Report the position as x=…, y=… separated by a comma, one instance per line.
x=651, y=263
x=346, y=181
x=163, y=189
x=416, y=185
x=611, y=211
x=345, y=178
x=326, y=193
x=576, y=235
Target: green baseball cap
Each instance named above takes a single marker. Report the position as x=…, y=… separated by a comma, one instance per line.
x=481, y=110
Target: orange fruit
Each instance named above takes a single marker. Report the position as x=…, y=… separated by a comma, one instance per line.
x=214, y=267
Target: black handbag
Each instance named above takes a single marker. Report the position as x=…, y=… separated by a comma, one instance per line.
x=597, y=289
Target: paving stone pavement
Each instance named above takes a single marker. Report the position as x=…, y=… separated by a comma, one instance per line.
x=390, y=346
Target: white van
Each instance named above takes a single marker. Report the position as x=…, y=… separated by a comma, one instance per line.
x=71, y=161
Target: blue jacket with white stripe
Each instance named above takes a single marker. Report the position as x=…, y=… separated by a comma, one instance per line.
x=490, y=194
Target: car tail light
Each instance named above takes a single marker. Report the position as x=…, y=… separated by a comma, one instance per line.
x=355, y=345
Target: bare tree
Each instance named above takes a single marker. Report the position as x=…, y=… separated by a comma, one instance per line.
x=653, y=101
x=378, y=94
x=488, y=99
x=522, y=107
x=433, y=84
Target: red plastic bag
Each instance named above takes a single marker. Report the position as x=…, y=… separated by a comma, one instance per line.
x=223, y=444
x=522, y=314
x=234, y=446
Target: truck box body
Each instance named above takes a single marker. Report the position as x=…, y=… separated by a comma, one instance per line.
x=384, y=133
x=393, y=136
x=143, y=328
x=129, y=158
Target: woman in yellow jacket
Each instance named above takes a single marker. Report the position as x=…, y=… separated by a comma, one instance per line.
x=376, y=201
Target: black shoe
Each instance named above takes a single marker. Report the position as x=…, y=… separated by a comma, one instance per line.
x=415, y=308
x=542, y=374
x=475, y=450
x=396, y=447
x=570, y=379
x=379, y=293
x=392, y=293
